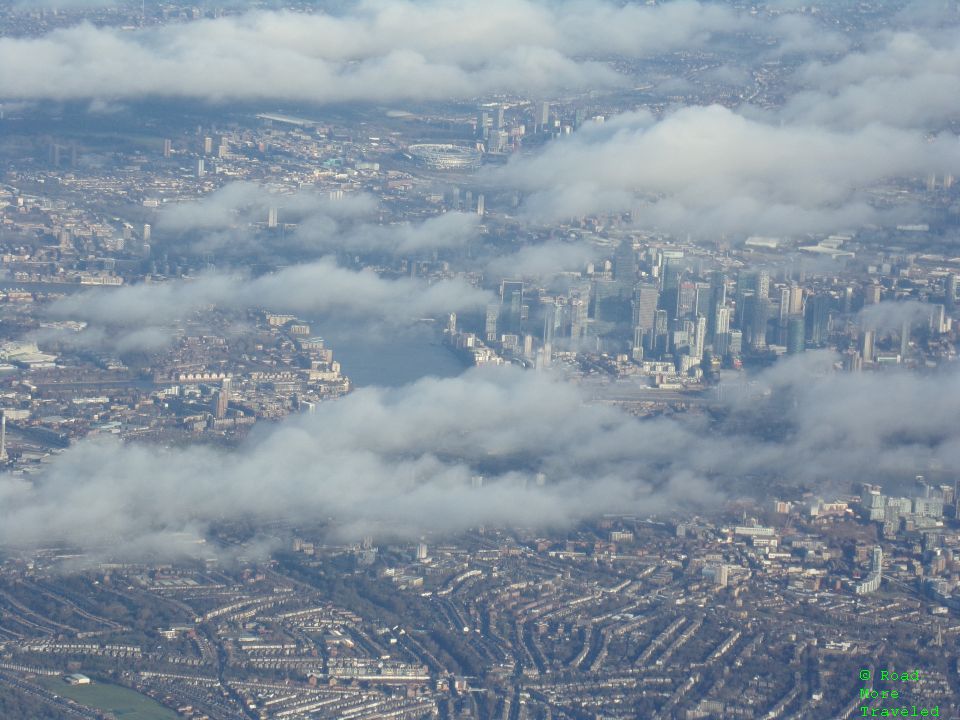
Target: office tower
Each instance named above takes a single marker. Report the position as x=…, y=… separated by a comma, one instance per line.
x=579, y=317
x=757, y=281
x=511, y=304
x=201, y=168
x=147, y=232
x=422, y=551
x=784, y=311
x=866, y=346
x=208, y=146
x=686, y=299
x=452, y=323
x=756, y=311
x=904, y=340
x=699, y=339
x=490, y=326
x=272, y=217
x=847, y=300
x=702, y=299
x=550, y=317
x=55, y=155
x=167, y=148
x=871, y=295
x=480, y=205
x=950, y=301
x=610, y=304
x=796, y=300
x=625, y=267
x=645, y=298
x=718, y=298
x=817, y=316
x=543, y=117
x=3, y=436
x=483, y=123
x=722, y=320
x=499, y=122
x=796, y=342
x=673, y=268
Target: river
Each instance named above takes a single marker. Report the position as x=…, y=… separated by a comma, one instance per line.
x=388, y=356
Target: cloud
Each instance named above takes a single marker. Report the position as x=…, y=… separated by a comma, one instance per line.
x=542, y=260
x=226, y=221
x=317, y=287
x=374, y=51
x=710, y=170
x=892, y=315
x=400, y=461
x=905, y=78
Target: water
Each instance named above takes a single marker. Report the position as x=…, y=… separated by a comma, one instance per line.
x=388, y=357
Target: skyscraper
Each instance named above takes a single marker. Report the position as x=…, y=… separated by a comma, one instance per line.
x=543, y=116
x=625, y=267
x=817, y=315
x=645, y=298
x=221, y=400
x=796, y=342
x=866, y=346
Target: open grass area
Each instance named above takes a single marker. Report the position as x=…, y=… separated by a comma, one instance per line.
x=124, y=703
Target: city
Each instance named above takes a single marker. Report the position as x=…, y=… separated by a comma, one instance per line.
x=506, y=360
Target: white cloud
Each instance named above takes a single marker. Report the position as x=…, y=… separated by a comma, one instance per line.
x=710, y=170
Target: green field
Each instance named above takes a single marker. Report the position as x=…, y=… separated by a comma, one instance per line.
x=125, y=704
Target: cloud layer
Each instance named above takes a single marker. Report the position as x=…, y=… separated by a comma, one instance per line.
x=375, y=51
x=710, y=170
x=400, y=461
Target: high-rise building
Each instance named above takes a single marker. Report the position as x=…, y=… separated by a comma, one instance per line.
x=871, y=294
x=686, y=299
x=167, y=148
x=221, y=400
x=625, y=266
x=3, y=436
x=499, y=122
x=511, y=304
x=699, y=339
x=756, y=311
x=201, y=168
x=817, y=316
x=866, y=346
x=796, y=335
x=208, y=146
x=904, y=340
x=492, y=318
x=543, y=116
x=147, y=232
x=796, y=300
x=645, y=299
x=950, y=293
x=272, y=217
x=483, y=123
x=481, y=205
